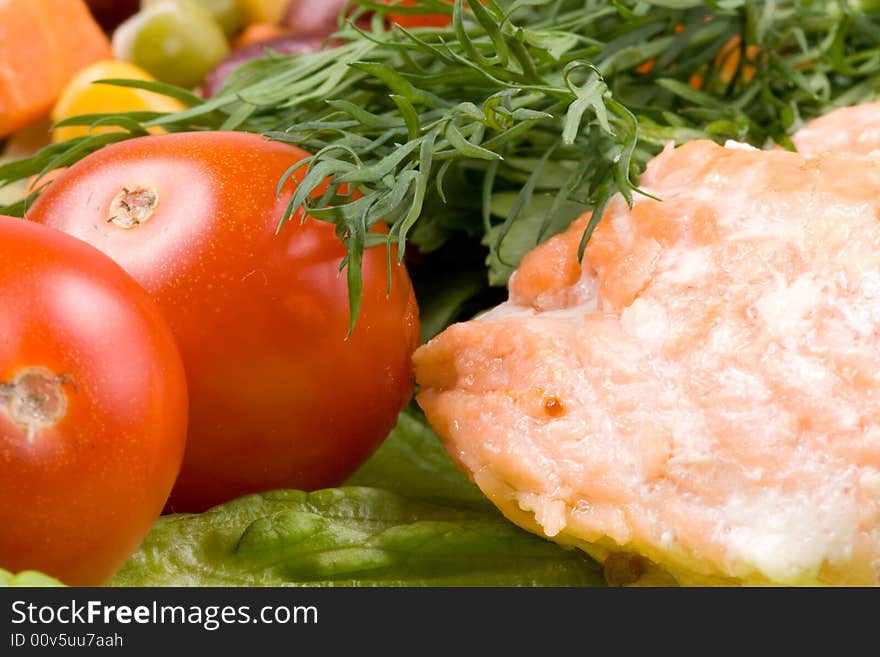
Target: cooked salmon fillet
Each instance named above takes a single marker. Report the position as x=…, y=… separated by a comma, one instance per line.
x=854, y=130
x=704, y=392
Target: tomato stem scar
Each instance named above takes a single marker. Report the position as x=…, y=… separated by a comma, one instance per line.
x=132, y=207
x=35, y=399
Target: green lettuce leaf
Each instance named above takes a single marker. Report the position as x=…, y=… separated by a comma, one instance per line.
x=351, y=536
x=28, y=578
x=413, y=463
x=408, y=517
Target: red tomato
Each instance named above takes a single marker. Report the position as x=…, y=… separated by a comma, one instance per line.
x=92, y=407
x=417, y=20
x=278, y=396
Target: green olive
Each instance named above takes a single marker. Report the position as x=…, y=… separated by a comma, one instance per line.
x=176, y=41
x=229, y=14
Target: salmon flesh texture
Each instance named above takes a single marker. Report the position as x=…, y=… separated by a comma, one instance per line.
x=703, y=391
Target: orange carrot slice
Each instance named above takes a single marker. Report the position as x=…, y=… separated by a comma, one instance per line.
x=43, y=43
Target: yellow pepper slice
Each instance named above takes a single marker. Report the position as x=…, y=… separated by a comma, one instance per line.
x=80, y=96
x=265, y=11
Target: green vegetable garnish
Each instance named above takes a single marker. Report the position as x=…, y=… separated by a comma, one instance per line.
x=434, y=528
x=349, y=537
x=27, y=578
x=413, y=463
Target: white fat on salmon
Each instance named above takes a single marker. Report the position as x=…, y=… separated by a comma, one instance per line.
x=702, y=393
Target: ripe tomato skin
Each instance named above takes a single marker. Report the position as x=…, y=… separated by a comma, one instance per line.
x=420, y=20
x=279, y=398
x=77, y=497
x=417, y=20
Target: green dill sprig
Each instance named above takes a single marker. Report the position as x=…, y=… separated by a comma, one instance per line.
x=520, y=115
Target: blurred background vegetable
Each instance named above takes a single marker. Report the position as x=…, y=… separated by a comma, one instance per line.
x=288, y=44
x=265, y=11
x=312, y=16
x=230, y=15
x=43, y=43
x=82, y=96
x=110, y=13
x=416, y=19
x=176, y=41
